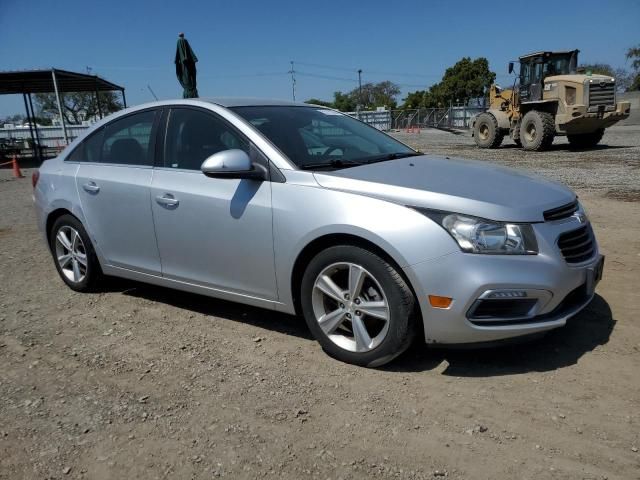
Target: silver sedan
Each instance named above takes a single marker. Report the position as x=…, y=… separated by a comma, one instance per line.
x=307, y=211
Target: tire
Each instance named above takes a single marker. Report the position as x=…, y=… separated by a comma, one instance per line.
x=382, y=287
x=70, y=240
x=515, y=134
x=586, y=140
x=537, y=130
x=486, y=132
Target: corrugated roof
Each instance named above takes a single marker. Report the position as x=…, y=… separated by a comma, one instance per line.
x=41, y=81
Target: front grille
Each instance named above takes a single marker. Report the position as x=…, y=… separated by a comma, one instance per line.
x=565, y=211
x=577, y=245
x=602, y=93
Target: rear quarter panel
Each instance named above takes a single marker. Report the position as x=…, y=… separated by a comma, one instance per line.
x=56, y=189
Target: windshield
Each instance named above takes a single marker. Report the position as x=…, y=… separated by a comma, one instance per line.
x=557, y=65
x=318, y=138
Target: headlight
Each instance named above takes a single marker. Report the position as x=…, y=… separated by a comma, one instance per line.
x=477, y=235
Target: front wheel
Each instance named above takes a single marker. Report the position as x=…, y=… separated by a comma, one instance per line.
x=537, y=130
x=586, y=140
x=357, y=306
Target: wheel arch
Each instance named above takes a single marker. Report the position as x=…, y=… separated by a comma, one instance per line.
x=53, y=216
x=64, y=209
x=331, y=240
x=549, y=106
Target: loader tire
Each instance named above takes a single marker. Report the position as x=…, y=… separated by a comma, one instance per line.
x=486, y=132
x=537, y=130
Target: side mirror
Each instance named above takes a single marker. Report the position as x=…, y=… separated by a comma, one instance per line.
x=231, y=164
x=510, y=67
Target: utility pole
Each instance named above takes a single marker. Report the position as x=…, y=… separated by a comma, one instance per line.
x=293, y=81
x=359, y=91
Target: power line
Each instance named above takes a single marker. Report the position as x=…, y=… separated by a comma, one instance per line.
x=377, y=72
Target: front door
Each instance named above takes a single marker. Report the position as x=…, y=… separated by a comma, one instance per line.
x=114, y=182
x=211, y=232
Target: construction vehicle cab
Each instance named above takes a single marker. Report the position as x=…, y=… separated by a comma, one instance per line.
x=535, y=67
x=550, y=98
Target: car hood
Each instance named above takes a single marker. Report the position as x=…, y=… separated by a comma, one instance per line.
x=454, y=185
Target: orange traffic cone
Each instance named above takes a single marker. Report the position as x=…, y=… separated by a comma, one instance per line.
x=16, y=169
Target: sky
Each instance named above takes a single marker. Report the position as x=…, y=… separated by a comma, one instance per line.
x=245, y=47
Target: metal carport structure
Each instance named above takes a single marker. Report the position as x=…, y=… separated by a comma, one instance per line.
x=54, y=80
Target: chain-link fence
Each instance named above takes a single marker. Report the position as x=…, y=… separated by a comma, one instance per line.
x=451, y=117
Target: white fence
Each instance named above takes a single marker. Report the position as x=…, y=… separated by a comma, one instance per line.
x=379, y=119
x=50, y=137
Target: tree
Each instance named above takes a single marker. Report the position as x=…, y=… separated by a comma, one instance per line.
x=381, y=94
x=315, y=101
x=415, y=99
x=16, y=119
x=598, y=68
x=345, y=102
x=633, y=54
x=466, y=80
x=77, y=106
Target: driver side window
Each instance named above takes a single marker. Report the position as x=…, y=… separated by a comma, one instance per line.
x=194, y=135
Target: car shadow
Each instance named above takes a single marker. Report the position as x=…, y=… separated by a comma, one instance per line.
x=237, y=312
x=559, y=348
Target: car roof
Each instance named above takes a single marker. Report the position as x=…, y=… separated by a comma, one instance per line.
x=251, y=102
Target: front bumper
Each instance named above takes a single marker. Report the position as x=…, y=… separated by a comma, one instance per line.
x=581, y=119
x=564, y=289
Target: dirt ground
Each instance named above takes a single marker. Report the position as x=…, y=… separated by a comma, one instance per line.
x=143, y=382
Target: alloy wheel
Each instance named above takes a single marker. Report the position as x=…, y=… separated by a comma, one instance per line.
x=351, y=307
x=71, y=254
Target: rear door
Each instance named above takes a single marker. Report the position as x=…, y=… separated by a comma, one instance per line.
x=114, y=181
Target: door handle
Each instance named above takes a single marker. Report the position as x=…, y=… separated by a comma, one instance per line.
x=91, y=187
x=167, y=200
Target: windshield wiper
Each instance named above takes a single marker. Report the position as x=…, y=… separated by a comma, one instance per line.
x=391, y=156
x=335, y=164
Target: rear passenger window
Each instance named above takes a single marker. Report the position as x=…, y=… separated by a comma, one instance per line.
x=128, y=140
x=89, y=150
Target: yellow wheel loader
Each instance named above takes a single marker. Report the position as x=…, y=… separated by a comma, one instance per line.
x=550, y=98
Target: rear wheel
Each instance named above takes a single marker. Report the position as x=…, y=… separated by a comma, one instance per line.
x=357, y=306
x=73, y=254
x=486, y=132
x=537, y=130
x=586, y=140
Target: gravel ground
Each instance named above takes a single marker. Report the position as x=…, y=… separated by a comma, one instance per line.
x=612, y=169
x=137, y=381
